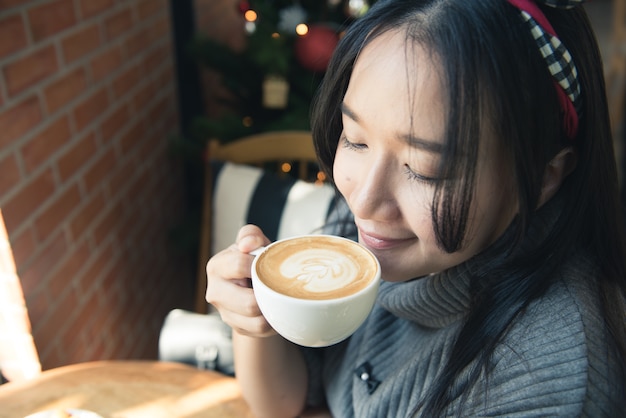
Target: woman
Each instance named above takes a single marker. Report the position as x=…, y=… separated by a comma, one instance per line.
x=483, y=178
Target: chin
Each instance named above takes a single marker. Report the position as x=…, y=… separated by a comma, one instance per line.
x=396, y=277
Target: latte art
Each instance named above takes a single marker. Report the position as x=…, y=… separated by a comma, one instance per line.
x=314, y=267
x=320, y=270
x=315, y=290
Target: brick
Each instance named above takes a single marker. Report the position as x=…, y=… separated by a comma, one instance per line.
x=159, y=110
x=50, y=356
x=81, y=43
x=115, y=122
x=98, y=316
x=138, y=42
x=77, y=329
x=162, y=28
x=10, y=173
x=12, y=35
x=37, y=304
x=35, y=275
x=77, y=156
x=132, y=137
x=127, y=81
x=66, y=89
x=23, y=247
x=19, y=120
x=60, y=312
x=40, y=149
x=51, y=18
x=120, y=178
x=7, y=4
x=99, y=171
x=96, y=270
x=55, y=215
x=155, y=58
x=108, y=226
x=119, y=23
x=30, y=70
x=91, y=8
x=167, y=76
x=68, y=271
x=144, y=95
x=147, y=8
x=27, y=200
x=106, y=63
x=89, y=109
x=82, y=222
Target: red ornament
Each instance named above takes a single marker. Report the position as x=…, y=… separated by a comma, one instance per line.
x=314, y=49
x=244, y=6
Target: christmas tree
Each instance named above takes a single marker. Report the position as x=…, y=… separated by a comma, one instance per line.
x=271, y=82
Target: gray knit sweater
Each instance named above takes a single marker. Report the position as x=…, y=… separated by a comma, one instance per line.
x=554, y=361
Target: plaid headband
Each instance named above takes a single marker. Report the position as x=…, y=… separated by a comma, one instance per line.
x=558, y=58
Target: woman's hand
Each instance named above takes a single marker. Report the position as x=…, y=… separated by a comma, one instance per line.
x=229, y=287
x=270, y=370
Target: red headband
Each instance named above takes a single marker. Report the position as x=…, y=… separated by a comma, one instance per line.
x=559, y=63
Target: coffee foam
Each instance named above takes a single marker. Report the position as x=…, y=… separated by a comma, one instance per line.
x=316, y=267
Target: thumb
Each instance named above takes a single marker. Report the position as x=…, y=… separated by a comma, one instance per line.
x=250, y=237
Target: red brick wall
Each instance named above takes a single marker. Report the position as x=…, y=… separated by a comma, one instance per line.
x=88, y=189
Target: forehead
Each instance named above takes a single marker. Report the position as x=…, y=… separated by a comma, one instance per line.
x=396, y=81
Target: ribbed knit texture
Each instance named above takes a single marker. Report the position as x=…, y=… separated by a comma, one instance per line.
x=553, y=362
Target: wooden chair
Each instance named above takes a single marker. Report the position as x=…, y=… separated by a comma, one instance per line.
x=304, y=204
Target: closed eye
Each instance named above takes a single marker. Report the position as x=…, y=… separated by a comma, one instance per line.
x=352, y=145
x=414, y=176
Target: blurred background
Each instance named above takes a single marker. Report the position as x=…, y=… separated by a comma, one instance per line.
x=105, y=108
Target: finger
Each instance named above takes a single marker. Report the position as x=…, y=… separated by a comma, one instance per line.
x=250, y=237
x=256, y=326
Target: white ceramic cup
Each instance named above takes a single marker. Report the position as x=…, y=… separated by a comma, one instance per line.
x=318, y=322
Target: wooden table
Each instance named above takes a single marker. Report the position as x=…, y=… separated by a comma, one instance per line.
x=129, y=389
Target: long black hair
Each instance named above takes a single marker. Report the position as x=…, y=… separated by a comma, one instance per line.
x=495, y=79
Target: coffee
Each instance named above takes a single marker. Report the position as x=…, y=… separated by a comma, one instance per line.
x=316, y=267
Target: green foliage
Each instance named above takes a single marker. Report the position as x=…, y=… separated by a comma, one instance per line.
x=242, y=74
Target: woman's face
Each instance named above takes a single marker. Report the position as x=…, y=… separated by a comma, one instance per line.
x=386, y=162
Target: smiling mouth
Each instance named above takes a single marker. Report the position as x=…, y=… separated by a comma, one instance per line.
x=375, y=242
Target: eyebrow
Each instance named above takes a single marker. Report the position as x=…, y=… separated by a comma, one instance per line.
x=410, y=139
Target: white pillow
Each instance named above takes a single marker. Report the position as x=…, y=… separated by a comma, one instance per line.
x=281, y=206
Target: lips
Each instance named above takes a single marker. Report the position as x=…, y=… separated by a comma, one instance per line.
x=378, y=242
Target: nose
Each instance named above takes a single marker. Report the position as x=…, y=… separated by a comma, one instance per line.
x=373, y=196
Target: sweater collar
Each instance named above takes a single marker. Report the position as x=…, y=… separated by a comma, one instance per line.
x=440, y=299
x=434, y=301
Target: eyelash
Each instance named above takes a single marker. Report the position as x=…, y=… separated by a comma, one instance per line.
x=411, y=175
x=351, y=145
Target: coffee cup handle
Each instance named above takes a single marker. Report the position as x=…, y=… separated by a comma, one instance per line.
x=257, y=251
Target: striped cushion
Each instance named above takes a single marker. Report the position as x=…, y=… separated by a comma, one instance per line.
x=280, y=206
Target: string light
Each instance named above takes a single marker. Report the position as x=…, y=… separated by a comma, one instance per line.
x=302, y=29
x=320, y=179
x=285, y=167
x=250, y=15
x=250, y=27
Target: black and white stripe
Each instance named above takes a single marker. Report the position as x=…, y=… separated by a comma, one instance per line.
x=281, y=206
x=558, y=59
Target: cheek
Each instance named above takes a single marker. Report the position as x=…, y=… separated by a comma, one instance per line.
x=342, y=172
x=415, y=206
